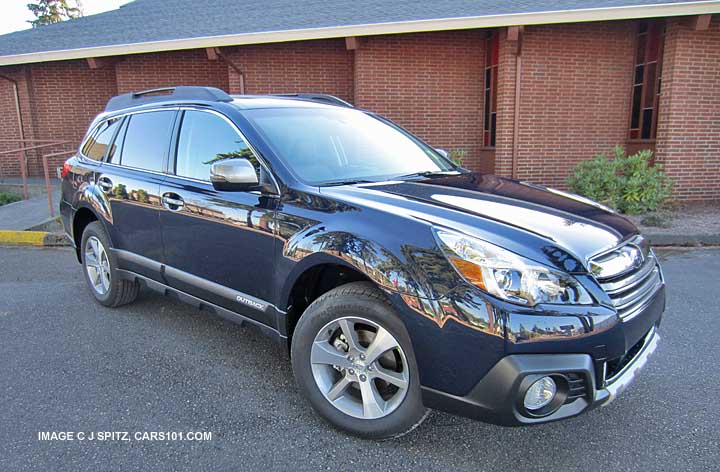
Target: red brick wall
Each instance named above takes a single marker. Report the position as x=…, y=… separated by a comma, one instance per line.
x=66, y=96
x=430, y=83
x=575, y=97
x=58, y=100
x=146, y=71
x=8, y=118
x=323, y=66
x=688, y=141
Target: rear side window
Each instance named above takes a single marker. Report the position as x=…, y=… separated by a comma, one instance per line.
x=117, y=145
x=97, y=145
x=206, y=138
x=147, y=139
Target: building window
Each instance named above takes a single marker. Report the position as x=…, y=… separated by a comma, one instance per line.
x=491, y=76
x=647, y=79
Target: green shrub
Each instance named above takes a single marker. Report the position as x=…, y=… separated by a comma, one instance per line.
x=628, y=184
x=6, y=198
x=458, y=156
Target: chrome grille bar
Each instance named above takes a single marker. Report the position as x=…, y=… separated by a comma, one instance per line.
x=638, y=292
x=632, y=291
x=627, y=282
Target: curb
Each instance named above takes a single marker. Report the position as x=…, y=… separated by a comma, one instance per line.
x=50, y=225
x=683, y=240
x=32, y=238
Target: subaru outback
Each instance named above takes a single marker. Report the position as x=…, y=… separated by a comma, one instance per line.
x=396, y=280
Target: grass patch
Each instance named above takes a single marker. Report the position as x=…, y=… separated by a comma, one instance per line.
x=6, y=198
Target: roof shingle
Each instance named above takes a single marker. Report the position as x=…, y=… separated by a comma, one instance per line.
x=144, y=21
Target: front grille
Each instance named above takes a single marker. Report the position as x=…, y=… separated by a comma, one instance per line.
x=615, y=366
x=631, y=291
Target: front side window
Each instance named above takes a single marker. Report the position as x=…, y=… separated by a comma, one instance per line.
x=647, y=79
x=206, y=138
x=147, y=139
x=97, y=145
x=330, y=145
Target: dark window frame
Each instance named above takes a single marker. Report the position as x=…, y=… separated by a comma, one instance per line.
x=490, y=83
x=646, y=81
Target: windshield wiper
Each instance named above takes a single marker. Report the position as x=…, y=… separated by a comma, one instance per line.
x=427, y=174
x=346, y=182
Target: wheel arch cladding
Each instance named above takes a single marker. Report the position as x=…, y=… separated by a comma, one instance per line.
x=313, y=281
x=83, y=217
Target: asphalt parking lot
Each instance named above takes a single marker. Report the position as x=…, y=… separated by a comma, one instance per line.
x=68, y=364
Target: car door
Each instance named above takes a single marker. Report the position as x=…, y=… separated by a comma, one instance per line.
x=131, y=180
x=218, y=245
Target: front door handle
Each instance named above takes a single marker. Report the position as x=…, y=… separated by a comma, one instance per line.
x=172, y=201
x=105, y=184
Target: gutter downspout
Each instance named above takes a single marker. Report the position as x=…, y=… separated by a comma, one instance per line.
x=21, y=130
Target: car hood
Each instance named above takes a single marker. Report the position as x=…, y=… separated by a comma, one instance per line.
x=500, y=209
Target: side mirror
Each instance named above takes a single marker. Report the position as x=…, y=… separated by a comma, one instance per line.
x=443, y=153
x=233, y=174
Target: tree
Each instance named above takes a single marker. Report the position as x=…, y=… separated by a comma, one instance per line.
x=54, y=11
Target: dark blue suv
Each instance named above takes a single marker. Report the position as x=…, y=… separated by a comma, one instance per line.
x=397, y=280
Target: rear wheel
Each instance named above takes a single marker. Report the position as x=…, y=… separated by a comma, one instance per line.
x=100, y=268
x=353, y=360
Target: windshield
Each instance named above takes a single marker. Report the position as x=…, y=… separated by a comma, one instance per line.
x=331, y=145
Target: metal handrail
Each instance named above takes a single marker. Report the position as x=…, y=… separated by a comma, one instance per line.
x=22, y=158
x=38, y=146
x=24, y=140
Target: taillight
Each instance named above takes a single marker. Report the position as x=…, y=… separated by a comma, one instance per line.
x=65, y=170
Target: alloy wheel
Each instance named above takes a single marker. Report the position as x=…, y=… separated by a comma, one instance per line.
x=360, y=367
x=97, y=265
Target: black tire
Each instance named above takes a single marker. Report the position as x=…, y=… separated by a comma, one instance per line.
x=357, y=299
x=120, y=291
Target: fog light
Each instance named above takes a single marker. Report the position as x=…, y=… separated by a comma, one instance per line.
x=540, y=394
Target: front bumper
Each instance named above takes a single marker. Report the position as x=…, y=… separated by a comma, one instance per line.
x=497, y=398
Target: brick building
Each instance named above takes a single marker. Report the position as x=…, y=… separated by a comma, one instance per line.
x=526, y=88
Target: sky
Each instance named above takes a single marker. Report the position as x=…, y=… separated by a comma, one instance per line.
x=15, y=13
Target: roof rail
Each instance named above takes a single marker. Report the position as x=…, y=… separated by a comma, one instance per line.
x=317, y=97
x=131, y=99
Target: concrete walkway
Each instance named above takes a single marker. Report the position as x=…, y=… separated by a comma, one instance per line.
x=27, y=214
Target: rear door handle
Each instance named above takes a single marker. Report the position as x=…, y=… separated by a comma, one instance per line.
x=172, y=201
x=105, y=184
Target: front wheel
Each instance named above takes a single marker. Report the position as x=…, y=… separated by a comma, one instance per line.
x=353, y=360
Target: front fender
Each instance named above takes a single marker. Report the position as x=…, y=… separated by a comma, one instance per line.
x=389, y=269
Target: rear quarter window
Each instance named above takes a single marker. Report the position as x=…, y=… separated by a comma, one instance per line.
x=96, y=147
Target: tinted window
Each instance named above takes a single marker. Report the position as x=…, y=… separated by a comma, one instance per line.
x=117, y=146
x=97, y=145
x=206, y=138
x=332, y=144
x=147, y=139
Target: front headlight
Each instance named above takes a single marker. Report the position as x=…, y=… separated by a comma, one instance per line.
x=507, y=275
